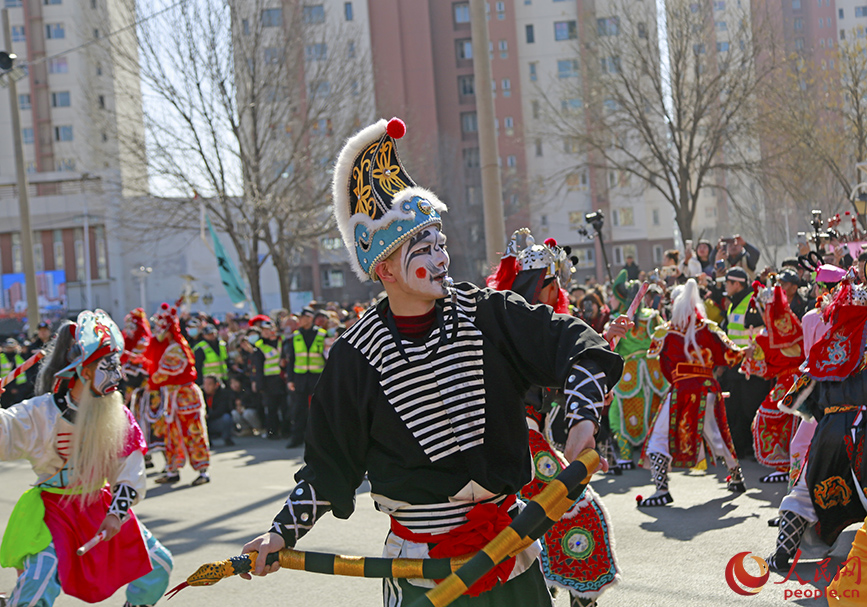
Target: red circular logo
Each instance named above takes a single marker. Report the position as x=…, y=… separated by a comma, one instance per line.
x=742, y=582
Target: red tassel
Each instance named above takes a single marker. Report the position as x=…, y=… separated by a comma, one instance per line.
x=504, y=277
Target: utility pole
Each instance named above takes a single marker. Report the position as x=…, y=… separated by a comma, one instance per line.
x=23, y=200
x=492, y=188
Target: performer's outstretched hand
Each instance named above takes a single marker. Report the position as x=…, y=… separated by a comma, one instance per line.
x=264, y=544
x=111, y=525
x=581, y=438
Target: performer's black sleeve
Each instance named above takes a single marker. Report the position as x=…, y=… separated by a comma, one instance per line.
x=546, y=347
x=753, y=255
x=338, y=428
x=200, y=365
x=300, y=512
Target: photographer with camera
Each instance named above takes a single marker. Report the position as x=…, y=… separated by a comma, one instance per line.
x=735, y=252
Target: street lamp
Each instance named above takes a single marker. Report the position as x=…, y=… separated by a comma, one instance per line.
x=141, y=273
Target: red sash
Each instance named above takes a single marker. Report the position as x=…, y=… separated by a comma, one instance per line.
x=483, y=524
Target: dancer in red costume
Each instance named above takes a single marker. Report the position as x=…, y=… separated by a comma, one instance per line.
x=143, y=403
x=172, y=371
x=778, y=354
x=692, y=415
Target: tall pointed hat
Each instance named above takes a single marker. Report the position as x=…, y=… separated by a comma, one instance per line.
x=377, y=205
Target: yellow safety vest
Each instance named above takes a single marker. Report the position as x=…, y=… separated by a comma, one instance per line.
x=312, y=361
x=736, y=329
x=7, y=365
x=272, y=357
x=215, y=363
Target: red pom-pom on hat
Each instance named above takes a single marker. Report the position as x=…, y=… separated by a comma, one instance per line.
x=638, y=498
x=551, y=242
x=396, y=128
x=164, y=306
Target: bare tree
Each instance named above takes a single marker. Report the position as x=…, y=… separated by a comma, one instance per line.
x=818, y=119
x=246, y=105
x=675, y=119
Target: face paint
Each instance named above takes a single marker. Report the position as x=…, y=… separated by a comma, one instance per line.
x=424, y=263
x=107, y=375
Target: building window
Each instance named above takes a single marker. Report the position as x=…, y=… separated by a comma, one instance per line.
x=533, y=75
x=722, y=47
x=565, y=30
x=798, y=24
x=65, y=164
x=58, y=66
x=796, y=5
x=104, y=136
x=272, y=17
x=567, y=68
x=17, y=260
x=624, y=216
x=58, y=250
x=720, y=5
x=503, y=45
x=509, y=123
x=501, y=7
x=471, y=158
x=100, y=101
x=101, y=253
x=469, y=122
x=49, y=2
x=842, y=35
x=538, y=146
x=55, y=31
x=63, y=133
x=27, y=135
x=12, y=3
x=721, y=26
x=536, y=109
x=571, y=105
x=822, y=22
x=507, y=87
x=531, y=36
x=313, y=14
x=473, y=195
x=24, y=102
x=18, y=34
x=332, y=278
x=642, y=30
x=320, y=89
x=799, y=43
x=272, y=55
x=60, y=99
x=316, y=52
x=462, y=12
x=655, y=216
x=610, y=65
x=609, y=26
x=99, y=69
x=657, y=253
x=350, y=49
x=245, y=26
x=347, y=11
x=466, y=85
x=840, y=13
x=861, y=11
x=464, y=48
x=79, y=255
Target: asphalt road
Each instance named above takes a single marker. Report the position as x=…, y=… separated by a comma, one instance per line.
x=671, y=557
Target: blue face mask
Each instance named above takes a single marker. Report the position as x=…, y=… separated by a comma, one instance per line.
x=193, y=332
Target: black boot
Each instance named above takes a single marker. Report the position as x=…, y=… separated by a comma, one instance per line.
x=659, y=471
x=735, y=482
x=792, y=528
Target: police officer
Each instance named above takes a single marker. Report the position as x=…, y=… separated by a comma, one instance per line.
x=743, y=320
x=268, y=363
x=10, y=358
x=306, y=362
x=211, y=355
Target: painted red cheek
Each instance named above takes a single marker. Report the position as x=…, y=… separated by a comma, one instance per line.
x=421, y=273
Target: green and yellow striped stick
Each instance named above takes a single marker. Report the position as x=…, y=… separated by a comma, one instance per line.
x=539, y=515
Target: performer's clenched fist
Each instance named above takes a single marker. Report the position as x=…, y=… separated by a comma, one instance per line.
x=265, y=544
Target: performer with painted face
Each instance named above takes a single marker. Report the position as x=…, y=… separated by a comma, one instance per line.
x=77, y=434
x=425, y=392
x=172, y=371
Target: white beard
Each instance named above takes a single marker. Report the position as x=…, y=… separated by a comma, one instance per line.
x=100, y=434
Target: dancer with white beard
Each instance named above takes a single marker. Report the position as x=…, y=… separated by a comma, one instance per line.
x=77, y=434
